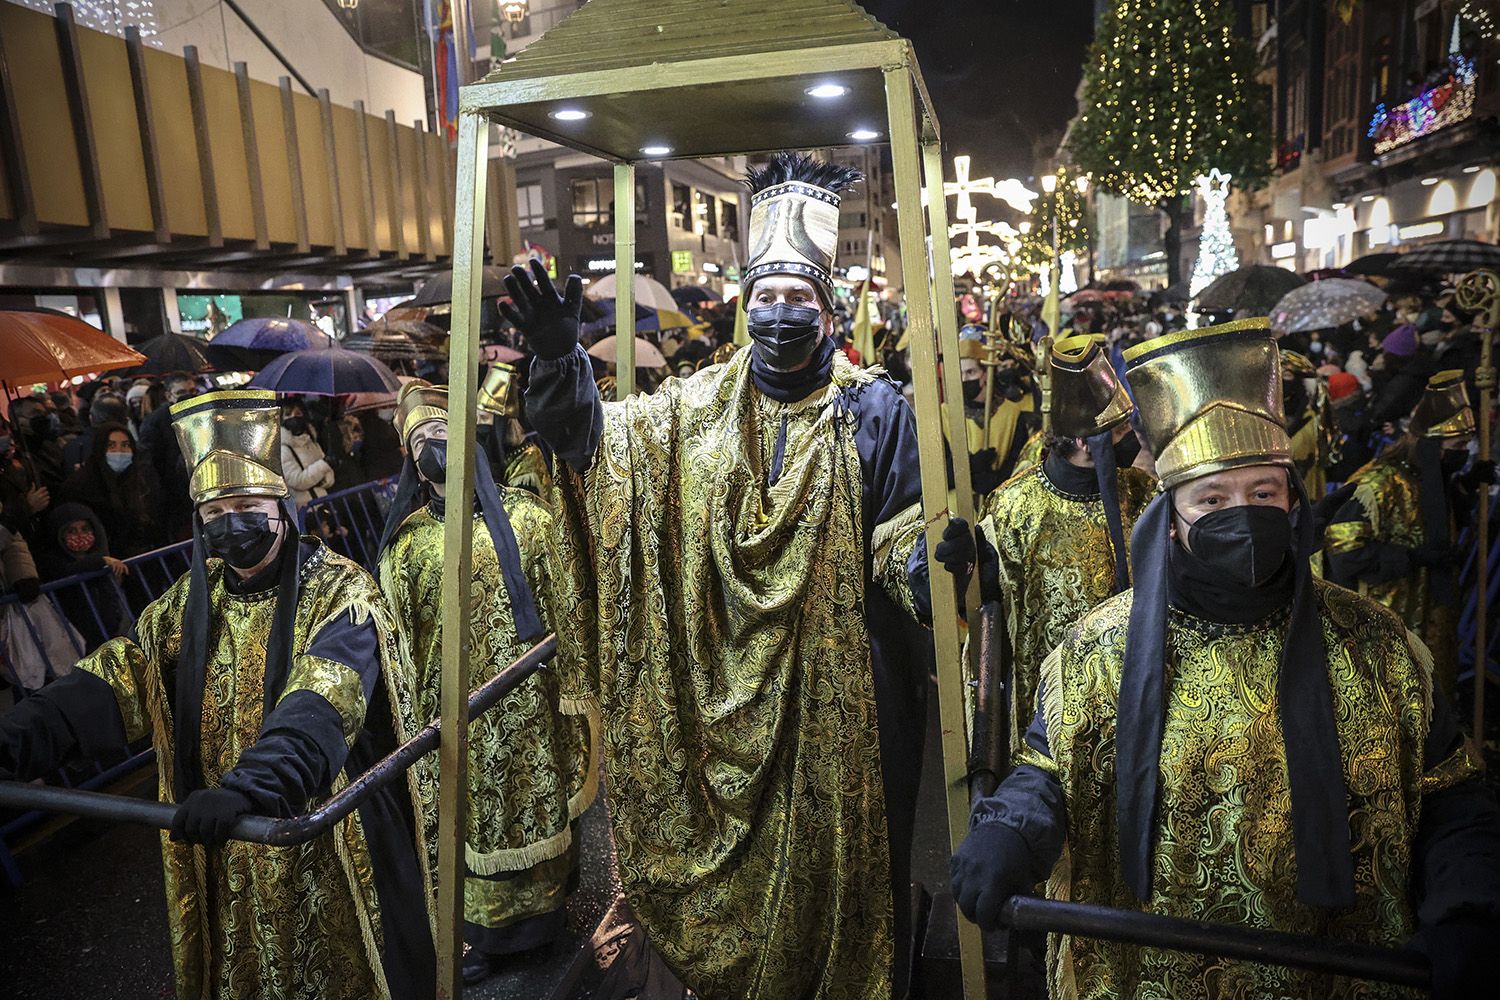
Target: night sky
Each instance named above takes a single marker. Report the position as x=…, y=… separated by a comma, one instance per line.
x=1001, y=72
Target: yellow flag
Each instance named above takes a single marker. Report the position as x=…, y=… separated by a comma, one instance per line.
x=864, y=333
x=741, y=326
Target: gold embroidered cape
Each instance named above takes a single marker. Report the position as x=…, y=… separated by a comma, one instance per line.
x=526, y=469
x=1056, y=564
x=1390, y=500
x=249, y=920
x=1224, y=848
x=533, y=767
x=733, y=669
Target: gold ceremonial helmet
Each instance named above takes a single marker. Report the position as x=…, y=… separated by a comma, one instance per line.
x=606, y=385
x=720, y=354
x=973, y=350
x=232, y=443
x=1444, y=410
x=1210, y=400
x=1087, y=397
x=416, y=404
x=498, y=396
x=1294, y=365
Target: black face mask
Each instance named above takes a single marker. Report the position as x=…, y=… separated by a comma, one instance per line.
x=241, y=538
x=1126, y=450
x=784, y=334
x=296, y=426
x=972, y=389
x=1248, y=544
x=432, y=461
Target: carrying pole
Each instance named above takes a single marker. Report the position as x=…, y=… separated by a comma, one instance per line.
x=624, y=280
x=946, y=627
x=1480, y=291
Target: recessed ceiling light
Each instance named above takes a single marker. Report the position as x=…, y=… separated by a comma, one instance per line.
x=656, y=150
x=827, y=91
x=1473, y=169
x=864, y=134
x=569, y=115
x=1339, y=206
x=1367, y=197
x=1429, y=181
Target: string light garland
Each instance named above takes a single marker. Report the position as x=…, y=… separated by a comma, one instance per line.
x=1435, y=108
x=1070, y=206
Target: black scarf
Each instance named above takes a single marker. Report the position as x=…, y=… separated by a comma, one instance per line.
x=789, y=387
x=1315, y=773
x=1203, y=592
x=502, y=536
x=1100, y=481
x=192, y=658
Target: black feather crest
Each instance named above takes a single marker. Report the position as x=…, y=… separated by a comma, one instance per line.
x=801, y=167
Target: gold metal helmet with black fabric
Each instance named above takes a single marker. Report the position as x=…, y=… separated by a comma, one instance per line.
x=533, y=764
x=742, y=554
x=1059, y=531
x=1232, y=740
x=256, y=676
x=1392, y=539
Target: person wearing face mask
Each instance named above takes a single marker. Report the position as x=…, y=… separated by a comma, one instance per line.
x=120, y=490
x=513, y=454
x=37, y=432
x=533, y=765
x=76, y=542
x=308, y=474
x=1393, y=539
x=1234, y=740
x=164, y=460
x=263, y=677
x=1057, y=535
x=992, y=455
x=747, y=573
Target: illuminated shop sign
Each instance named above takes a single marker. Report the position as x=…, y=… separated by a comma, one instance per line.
x=1430, y=111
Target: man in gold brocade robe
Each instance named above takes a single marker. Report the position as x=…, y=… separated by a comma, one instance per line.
x=1233, y=740
x=264, y=678
x=1393, y=538
x=530, y=772
x=1054, y=539
x=746, y=556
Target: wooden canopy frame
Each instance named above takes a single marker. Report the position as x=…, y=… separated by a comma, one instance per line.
x=710, y=78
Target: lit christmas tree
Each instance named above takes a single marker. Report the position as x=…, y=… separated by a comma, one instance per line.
x=1216, y=254
x=1170, y=94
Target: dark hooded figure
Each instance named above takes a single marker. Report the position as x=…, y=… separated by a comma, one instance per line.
x=75, y=541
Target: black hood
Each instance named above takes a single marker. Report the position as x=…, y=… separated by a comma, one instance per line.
x=65, y=514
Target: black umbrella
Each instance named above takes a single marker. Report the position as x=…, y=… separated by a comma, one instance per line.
x=172, y=352
x=1172, y=293
x=1254, y=288
x=1452, y=257
x=1377, y=264
x=438, y=289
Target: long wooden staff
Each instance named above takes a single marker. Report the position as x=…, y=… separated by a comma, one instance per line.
x=1480, y=291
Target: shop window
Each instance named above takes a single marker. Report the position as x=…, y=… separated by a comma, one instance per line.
x=682, y=206
x=729, y=213
x=529, y=211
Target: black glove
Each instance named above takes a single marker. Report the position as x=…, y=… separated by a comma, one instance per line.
x=1480, y=474
x=983, y=476
x=1434, y=555
x=548, y=321
x=956, y=550
x=28, y=589
x=1459, y=950
x=207, y=815
x=992, y=865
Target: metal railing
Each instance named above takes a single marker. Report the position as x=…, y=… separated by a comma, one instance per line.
x=296, y=829
x=351, y=520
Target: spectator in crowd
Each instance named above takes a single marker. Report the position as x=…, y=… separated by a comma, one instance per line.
x=36, y=432
x=382, y=451
x=36, y=644
x=75, y=541
x=1400, y=374
x=106, y=408
x=22, y=498
x=121, y=491
x=135, y=399
x=303, y=463
x=345, y=452
x=160, y=444
x=69, y=425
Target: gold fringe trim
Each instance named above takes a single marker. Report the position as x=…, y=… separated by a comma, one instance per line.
x=1052, y=692
x=515, y=859
x=1368, y=499
x=580, y=802
x=366, y=922
x=886, y=532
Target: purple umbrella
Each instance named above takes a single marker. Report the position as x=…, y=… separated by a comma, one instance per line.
x=331, y=372
x=271, y=333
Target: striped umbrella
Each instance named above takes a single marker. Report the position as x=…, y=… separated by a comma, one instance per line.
x=1451, y=257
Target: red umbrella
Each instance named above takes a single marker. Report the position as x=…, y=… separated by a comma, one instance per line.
x=42, y=345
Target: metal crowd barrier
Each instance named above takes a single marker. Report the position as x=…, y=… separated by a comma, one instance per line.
x=351, y=520
x=295, y=829
x=1468, y=582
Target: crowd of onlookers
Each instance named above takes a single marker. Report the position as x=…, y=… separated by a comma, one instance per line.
x=93, y=476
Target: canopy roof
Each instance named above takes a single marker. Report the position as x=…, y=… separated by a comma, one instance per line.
x=701, y=77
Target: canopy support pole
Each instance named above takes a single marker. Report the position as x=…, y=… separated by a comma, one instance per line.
x=624, y=279
x=458, y=538
x=946, y=628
